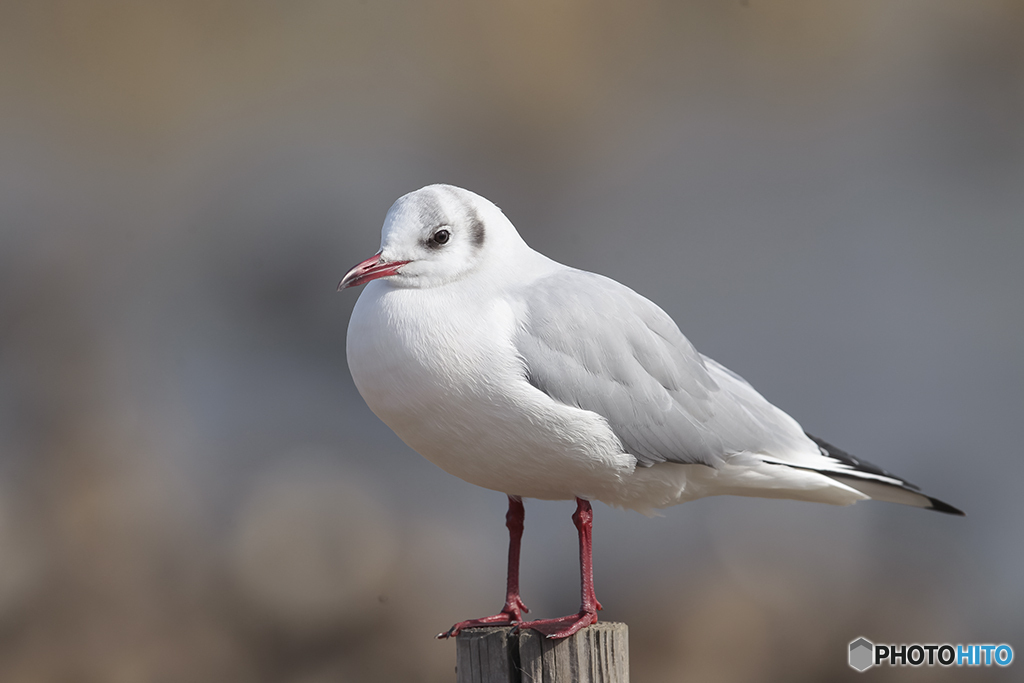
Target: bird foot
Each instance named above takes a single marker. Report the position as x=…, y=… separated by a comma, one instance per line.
x=562, y=627
x=511, y=615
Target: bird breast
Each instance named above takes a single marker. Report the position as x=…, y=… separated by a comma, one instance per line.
x=443, y=373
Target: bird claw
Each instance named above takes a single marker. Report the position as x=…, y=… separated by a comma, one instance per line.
x=562, y=627
x=510, y=616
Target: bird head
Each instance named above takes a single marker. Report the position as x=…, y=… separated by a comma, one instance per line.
x=433, y=236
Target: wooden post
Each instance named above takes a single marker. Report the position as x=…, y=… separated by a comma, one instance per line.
x=596, y=654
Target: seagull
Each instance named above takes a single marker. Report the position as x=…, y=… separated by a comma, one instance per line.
x=525, y=376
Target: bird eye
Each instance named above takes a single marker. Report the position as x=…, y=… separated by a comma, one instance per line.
x=441, y=237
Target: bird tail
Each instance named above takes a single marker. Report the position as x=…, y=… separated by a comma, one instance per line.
x=894, y=493
x=876, y=483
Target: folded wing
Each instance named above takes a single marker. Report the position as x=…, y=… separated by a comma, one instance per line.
x=590, y=342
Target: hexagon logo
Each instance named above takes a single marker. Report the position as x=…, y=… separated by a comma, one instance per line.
x=862, y=654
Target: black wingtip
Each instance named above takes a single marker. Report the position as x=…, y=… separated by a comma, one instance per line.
x=939, y=506
x=858, y=465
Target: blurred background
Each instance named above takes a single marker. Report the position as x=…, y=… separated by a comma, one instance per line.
x=827, y=196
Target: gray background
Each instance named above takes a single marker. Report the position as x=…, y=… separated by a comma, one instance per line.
x=828, y=197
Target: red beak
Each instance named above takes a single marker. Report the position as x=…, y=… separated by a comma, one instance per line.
x=370, y=269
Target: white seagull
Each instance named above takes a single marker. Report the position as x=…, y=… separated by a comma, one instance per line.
x=525, y=376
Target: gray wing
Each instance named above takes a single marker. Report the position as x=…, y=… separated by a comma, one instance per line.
x=590, y=342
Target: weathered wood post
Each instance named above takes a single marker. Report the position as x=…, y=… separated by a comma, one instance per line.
x=596, y=654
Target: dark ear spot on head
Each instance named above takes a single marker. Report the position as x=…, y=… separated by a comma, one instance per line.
x=476, y=228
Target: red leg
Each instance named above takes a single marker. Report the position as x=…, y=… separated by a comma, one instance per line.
x=564, y=627
x=512, y=612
